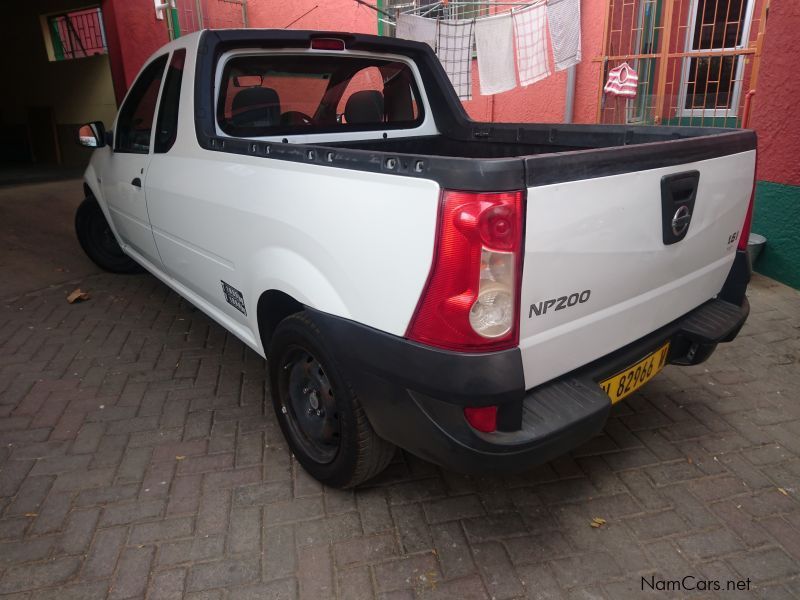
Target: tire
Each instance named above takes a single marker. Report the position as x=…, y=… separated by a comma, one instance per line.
x=98, y=241
x=317, y=409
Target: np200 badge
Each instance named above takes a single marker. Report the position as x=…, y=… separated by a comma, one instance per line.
x=559, y=303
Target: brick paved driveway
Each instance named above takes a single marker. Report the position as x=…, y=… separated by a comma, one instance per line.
x=137, y=461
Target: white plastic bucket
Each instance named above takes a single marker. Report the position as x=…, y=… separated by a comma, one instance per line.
x=755, y=244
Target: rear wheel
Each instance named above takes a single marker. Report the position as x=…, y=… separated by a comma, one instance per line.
x=98, y=241
x=317, y=409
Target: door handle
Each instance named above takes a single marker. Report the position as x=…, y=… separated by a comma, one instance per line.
x=136, y=182
x=678, y=194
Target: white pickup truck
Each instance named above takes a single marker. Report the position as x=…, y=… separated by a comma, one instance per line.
x=479, y=294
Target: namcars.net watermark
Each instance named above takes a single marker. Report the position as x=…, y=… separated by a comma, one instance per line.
x=690, y=583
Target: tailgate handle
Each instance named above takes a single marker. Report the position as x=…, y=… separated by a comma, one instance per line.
x=678, y=194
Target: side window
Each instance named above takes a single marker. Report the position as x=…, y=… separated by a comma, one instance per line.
x=135, y=121
x=167, y=124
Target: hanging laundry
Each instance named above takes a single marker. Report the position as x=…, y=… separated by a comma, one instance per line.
x=416, y=28
x=454, y=49
x=494, y=39
x=564, y=20
x=531, y=42
x=622, y=81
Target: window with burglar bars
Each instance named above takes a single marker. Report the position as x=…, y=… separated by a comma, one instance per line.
x=697, y=60
x=75, y=34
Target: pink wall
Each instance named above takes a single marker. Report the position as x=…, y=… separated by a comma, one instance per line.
x=544, y=101
x=133, y=33
x=331, y=15
x=777, y=90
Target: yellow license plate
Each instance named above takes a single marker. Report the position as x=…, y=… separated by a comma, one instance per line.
x=631, y=379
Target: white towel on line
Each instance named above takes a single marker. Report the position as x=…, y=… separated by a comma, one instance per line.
x=531, y=42
x=564, y=19
x=416, y=28
x=454, y=49
x=494, y=39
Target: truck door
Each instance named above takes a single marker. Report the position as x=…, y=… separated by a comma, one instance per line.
x=124, y=179
x=197, y=226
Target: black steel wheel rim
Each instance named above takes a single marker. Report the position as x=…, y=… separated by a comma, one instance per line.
x=309, y=405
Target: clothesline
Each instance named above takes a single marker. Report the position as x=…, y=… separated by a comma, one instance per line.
x=515, y=36
x=479, y=7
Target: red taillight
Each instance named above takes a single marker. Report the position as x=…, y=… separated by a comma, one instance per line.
x=471, y=300
x=744, y=236
x=327, y=44
x=483, y=418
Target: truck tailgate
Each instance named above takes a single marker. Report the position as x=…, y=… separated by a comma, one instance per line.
x=601, y=268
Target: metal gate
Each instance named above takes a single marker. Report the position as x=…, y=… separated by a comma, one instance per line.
x=697, y=60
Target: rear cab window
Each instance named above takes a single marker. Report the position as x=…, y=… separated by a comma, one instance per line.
x=263, y=95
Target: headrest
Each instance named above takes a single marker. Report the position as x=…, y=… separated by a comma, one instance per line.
x=364, y=107
x=256, y=107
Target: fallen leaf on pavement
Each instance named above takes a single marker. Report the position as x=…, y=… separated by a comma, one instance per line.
x=180, y=457
x=598, y=522
x=77, y=295
x=31, y=514
x=783, y=491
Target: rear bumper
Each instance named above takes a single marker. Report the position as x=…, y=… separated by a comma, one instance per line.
x=414, y=395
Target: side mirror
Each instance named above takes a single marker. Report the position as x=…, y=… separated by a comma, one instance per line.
x=92, y=135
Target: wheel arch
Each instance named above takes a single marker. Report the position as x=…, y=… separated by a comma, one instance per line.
x=282, y=281
x=91, y=184
x=272, y=308
x=91, y=189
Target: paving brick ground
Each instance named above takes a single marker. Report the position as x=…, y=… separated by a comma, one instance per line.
x=138, y=462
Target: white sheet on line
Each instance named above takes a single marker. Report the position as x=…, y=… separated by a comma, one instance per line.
x=416, y=28
x=494, y=39
x=564, y=20
x=531, y=40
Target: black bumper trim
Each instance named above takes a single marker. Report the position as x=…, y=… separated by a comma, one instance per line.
x=414, y=395
x=468, y=379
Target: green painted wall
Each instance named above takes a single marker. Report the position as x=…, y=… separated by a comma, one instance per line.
x=777, y=217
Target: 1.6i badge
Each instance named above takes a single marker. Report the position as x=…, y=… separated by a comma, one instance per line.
x=233, y=297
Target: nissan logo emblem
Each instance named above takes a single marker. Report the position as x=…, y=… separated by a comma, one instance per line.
x=680, y=222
